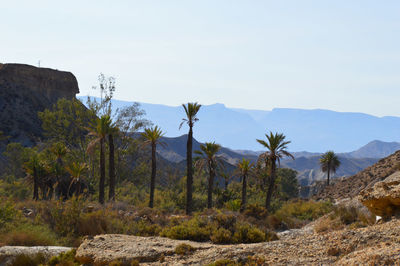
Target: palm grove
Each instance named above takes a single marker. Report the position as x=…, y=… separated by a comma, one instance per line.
x=91, y=149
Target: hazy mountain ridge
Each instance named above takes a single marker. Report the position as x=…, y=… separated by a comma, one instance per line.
x=307, y=164
x=308, y=130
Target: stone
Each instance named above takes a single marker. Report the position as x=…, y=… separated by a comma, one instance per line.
x=8, y=253
x=383, y=199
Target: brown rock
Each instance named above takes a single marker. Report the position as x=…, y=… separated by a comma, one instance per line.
x=24, y=91
x=383, y=198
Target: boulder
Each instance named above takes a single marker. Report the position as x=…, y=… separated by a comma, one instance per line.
x=383, y=199
x=8, y=253
x=103, y=249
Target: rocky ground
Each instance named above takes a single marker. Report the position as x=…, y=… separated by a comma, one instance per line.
x=377, y=244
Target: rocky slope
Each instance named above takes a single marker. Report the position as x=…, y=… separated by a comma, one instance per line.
x=24, y=91
x=351, y=186
x=378, y=244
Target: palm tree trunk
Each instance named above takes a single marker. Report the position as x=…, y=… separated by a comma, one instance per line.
x=189, y=166
x=35, y=185
x=210, y=187
x=328, y=176
x=270, y=185
x=111, y=168
x=102, y=172
x=153, y=174
x=244, y=193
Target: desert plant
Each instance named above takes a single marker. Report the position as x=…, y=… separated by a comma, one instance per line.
x=244, y=167
x=184, y=249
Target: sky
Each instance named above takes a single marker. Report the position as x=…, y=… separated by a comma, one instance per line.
x=340, y=55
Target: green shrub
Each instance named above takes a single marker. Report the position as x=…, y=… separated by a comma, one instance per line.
x=256, y=211
x=184, y=249
x=296, y=213
x=196, y=229
x=246, y=233
x=29, y=235
x=7, y=213
x=64, y=259
x=233, y=205
x=26, y=260
x=221, y=236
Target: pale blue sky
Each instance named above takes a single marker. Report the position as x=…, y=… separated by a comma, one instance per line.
x=341, y=55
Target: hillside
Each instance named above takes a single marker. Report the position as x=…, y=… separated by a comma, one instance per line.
x=309, y=130
x=351, y=186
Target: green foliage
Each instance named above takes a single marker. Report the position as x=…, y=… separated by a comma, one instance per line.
x=184, y=249
x=196, y=229
x=27, y=260
x=245, y=233
x=29, y=235
x=7, y=213
x=64, y=259
x=296, y=213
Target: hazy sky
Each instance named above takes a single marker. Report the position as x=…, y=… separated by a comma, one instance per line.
x=338, y=55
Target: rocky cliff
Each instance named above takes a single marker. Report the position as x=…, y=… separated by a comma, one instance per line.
x=24, y=91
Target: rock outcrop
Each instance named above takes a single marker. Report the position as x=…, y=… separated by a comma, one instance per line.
x=24, y=91
x=383, y=198
x=8, y=253
x=379, y=243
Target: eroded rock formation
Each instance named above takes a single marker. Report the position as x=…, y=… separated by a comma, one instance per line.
x=383, y=198
x=24, y=91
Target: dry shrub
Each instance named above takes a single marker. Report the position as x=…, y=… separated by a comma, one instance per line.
x=29, y=235
x=327, y=224
x=184, y=249
x=94, y=223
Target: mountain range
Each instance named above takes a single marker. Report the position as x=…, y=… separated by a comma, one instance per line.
x=305, y=163
x=308, y=130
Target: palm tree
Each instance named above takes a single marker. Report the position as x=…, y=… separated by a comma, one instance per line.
x=329, y=163
x=100, y=131
x=36, y=172
x=76, y=169
x=191, y=110
x=209, y=160
x=276, y=150
x=244, y=167
x=152, y=137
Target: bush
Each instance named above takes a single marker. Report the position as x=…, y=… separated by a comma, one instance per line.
x=7, y=213
x=29, y=235
x=296, y=213
x=256, y=211
x=246, y=233
x=184, y=249
x=64, y=259
x=26, y=260
x=221, y=236
x=196, y=229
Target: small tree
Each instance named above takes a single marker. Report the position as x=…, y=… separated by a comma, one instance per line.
x=329, y=163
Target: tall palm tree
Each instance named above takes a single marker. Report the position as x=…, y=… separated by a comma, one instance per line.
x=329, y=163
x=152, y=137
x=208, y=159
x=244, y=167
x=36, y=172
x=76, y=169
x=191, y=110
x=276, y=150
x=100, y=131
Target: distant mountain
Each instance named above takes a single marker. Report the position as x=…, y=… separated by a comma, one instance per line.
x=375, y=149
x=305, y=163
x=308, y=130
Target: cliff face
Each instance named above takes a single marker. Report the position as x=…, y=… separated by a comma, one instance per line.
x=24, y=91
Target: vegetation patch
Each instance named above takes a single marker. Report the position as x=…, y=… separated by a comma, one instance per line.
x=184, y=249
